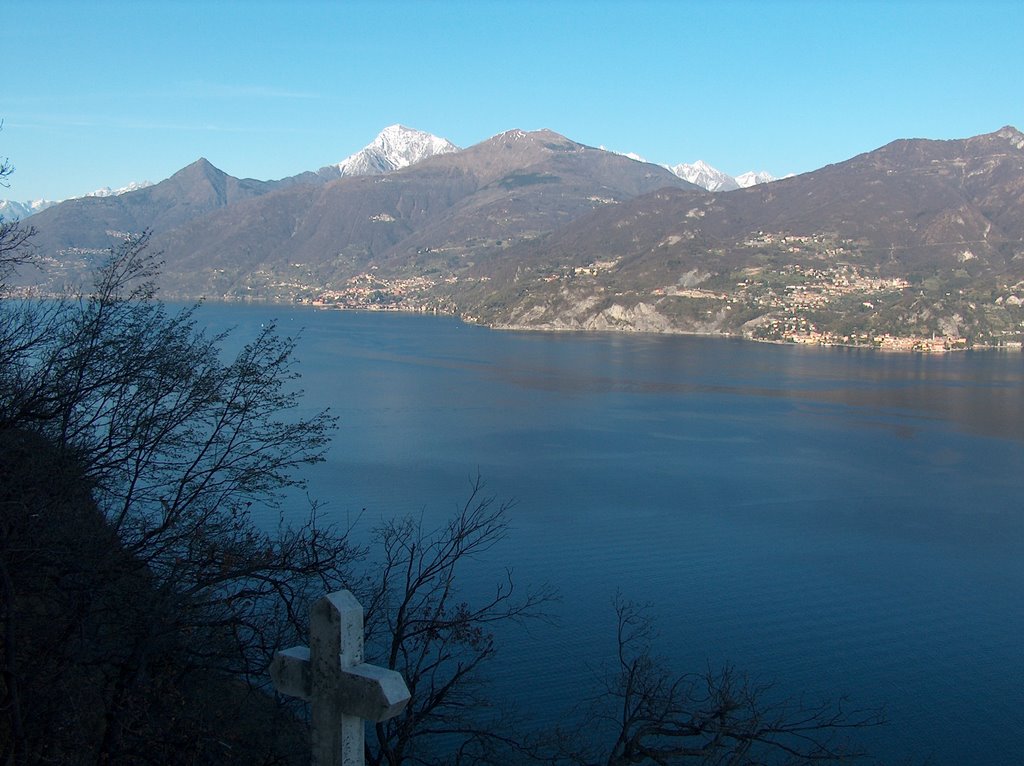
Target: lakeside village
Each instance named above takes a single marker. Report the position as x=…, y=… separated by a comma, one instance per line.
x=787, y=300
x=789, y=317
x=793, y=297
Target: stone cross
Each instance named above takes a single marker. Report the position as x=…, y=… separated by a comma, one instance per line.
x=344, y=691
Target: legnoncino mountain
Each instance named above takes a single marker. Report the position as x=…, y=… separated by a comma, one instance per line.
x=916, y=240
x=394, y=147
x=182, y=196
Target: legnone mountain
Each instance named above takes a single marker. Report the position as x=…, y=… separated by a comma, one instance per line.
x=919, y=242
x=394, y=148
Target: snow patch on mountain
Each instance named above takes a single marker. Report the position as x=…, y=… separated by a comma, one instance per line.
x=629, y=155
x=106, y=191
x=394, y=147
x=705, y=176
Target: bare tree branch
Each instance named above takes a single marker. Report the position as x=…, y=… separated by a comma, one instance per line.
x=722, y=717
x=419, y=625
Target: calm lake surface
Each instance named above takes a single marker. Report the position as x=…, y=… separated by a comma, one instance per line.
x=834, y=520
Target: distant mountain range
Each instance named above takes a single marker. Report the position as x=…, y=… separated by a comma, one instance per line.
x=916, y=240
x=707, y=177
x=397, y=147
x=394, y=147
x=10, y=209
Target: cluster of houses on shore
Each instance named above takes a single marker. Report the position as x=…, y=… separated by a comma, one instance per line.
x=935, y=344
x=371, y=292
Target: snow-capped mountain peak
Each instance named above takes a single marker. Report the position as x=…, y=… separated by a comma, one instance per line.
x=12, y=209
x=715, y=180
x=753, y=178
x=394, y=147
x=705, y=176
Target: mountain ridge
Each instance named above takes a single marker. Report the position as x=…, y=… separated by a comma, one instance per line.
x=393, y=148
x=918, y=238
x=431, y=215
x=396, y=147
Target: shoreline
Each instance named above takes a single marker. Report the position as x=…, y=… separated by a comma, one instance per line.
x=901, y=344
x=896, y=344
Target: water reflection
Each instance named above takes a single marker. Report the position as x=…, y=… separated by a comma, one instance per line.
x=980, y=391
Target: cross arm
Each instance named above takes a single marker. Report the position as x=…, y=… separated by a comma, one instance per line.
x=366, y=691
x=372, y=692
x=290, y=672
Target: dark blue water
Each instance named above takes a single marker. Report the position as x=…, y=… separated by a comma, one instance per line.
x=836, y=521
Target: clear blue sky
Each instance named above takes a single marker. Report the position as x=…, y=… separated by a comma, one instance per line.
x=103, y=93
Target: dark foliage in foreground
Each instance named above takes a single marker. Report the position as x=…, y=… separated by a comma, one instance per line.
x=133, y=570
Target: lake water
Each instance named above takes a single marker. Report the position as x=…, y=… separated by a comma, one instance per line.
x=834, y=520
